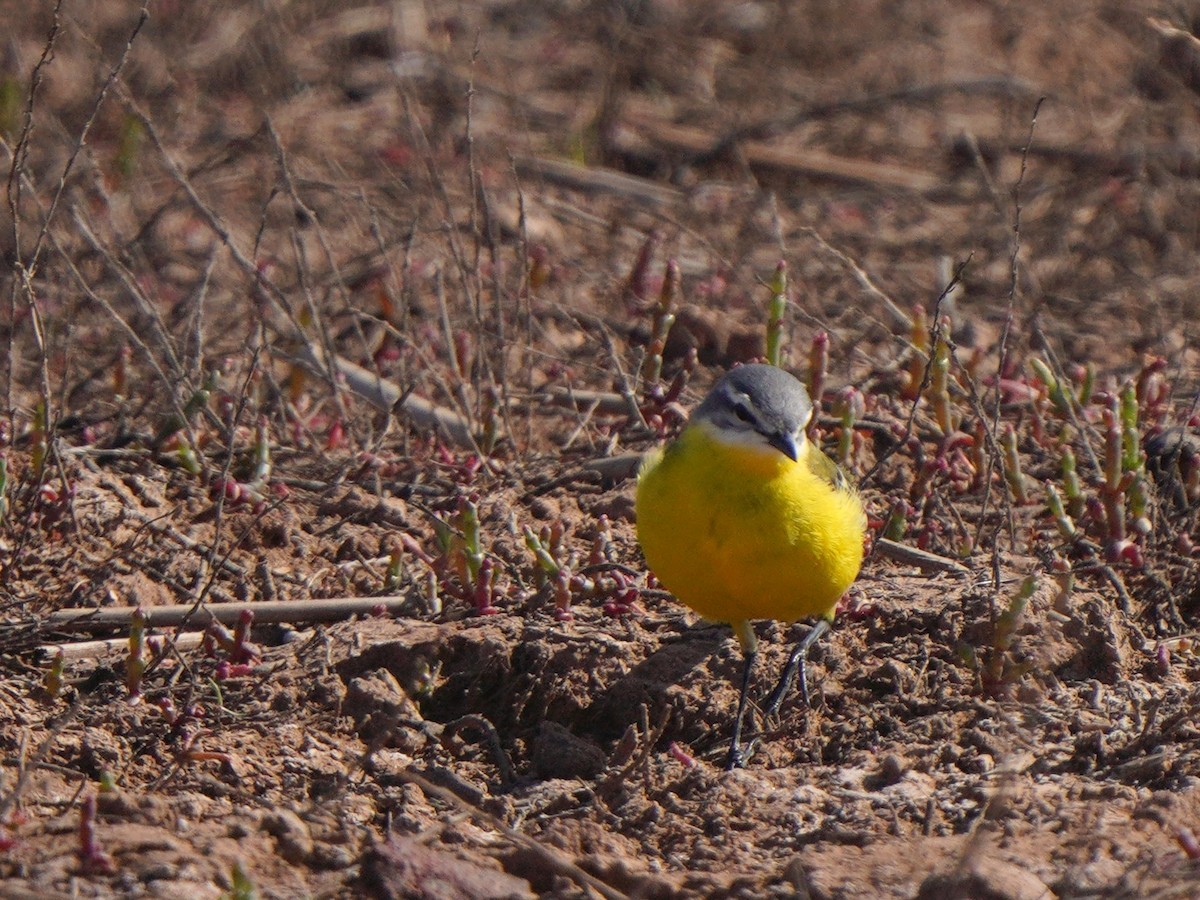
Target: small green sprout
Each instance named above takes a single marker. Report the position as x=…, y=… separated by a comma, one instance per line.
x=849, y=407
x=471, y=538
x=540, y=551
x=1087, y=385
x=1072, y=487
x=188, y=459
x=1065, y=580
x=939, y=382
x=1000, y=670
x=918, y=354
x=1131, y=447
x=393, y=576
x=1054, y=387
x=52, y=682
x=994, y=665
x=135, y=662
x=776, y=308
x=262, y=455
x=240, y=885
x=897, y=522
x=1062, y=519
x=1012, y=465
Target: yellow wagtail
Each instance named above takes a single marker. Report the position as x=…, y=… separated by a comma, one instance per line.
x=743, y=518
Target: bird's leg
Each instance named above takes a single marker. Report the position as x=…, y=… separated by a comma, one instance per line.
x=748, y=640
x=797, y=663
x=734, y=761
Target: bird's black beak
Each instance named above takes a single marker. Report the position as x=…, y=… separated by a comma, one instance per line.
x=785, y=444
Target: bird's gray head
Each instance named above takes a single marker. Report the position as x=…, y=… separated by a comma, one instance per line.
x=759, y=406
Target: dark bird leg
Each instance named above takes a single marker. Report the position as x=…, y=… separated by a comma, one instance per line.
x=797, y=663
x=735, y=760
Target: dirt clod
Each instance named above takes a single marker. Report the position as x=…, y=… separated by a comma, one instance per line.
x=295, y=839
x=404, y=868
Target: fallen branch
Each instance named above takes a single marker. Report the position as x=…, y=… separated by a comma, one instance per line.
x=808, y=162
x=594, y=179
x=580, y=399
x=388, y=397
x=332, y=610
x=922, y=559
x=91, y=649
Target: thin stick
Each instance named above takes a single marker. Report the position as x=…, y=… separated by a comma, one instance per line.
x=389, y=397
x=331, y=610
x=922, y=559
x=91, y=649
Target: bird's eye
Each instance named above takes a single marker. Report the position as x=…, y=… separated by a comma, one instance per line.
x=743, y=414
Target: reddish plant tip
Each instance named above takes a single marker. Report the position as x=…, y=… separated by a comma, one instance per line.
x=955, y=441
x=640, y=285
x=1155, y=364
x=623, y=604
x=1186, y=838
x=1125, y=551
x=564, y=585
x=463, y=350
x=855, y=607
x=1162, y=660
x=336, y=437
x=242, y=650
x=484, y=592
x=233, y=491
x=92, y=860
x=466, y=469
x=226, y=670
x=681, y=756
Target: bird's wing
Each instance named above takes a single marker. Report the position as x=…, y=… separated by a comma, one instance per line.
x=827, y=470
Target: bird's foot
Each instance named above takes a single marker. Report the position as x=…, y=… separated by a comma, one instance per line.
x=739, y=756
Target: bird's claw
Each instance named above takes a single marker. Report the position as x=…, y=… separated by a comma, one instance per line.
x=739, y=756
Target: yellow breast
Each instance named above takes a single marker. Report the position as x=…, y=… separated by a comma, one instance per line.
x=737, y=533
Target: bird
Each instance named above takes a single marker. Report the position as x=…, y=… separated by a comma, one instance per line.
x=743, y=517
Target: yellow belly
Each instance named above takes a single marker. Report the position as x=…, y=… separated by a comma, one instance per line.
x=740, y=534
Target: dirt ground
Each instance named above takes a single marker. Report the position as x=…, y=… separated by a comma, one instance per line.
x=316, y=300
